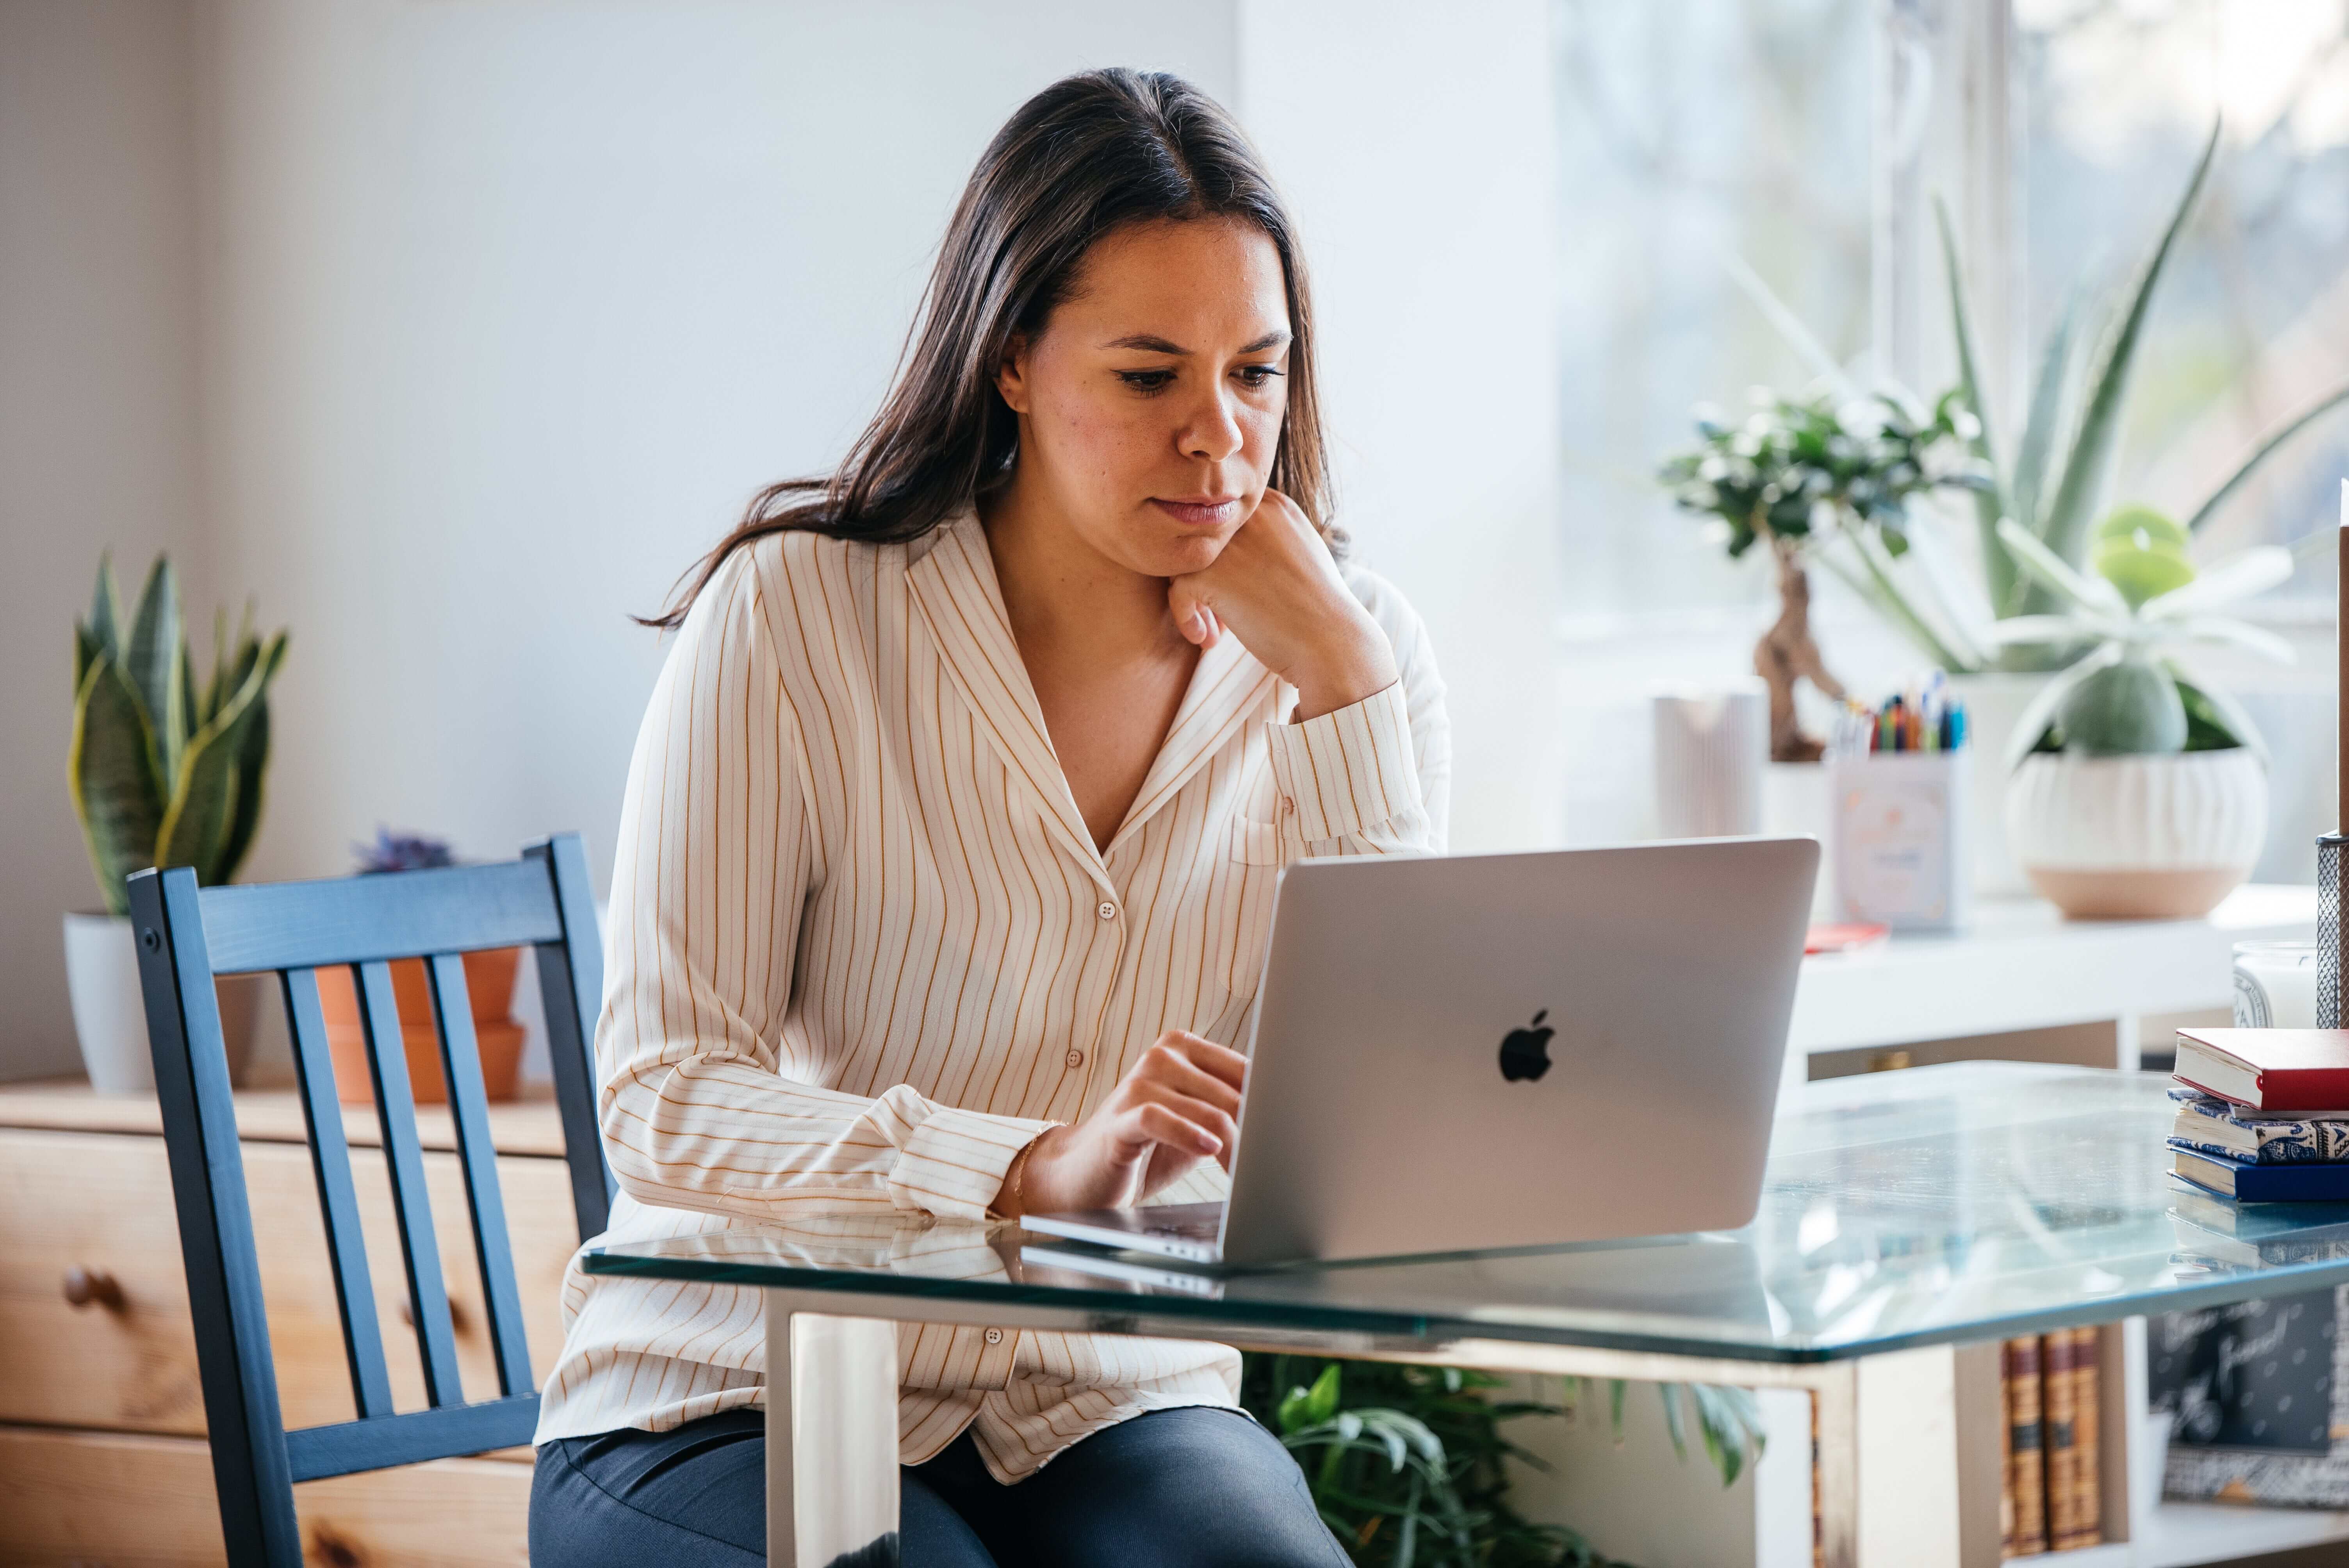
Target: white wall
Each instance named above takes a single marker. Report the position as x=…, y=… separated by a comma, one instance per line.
x=451, y=333
x=1415, y=142
x=512, y=306
x=98, y=433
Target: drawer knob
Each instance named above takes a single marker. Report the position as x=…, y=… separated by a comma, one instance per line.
x=84, y=1287
x=458, y=1323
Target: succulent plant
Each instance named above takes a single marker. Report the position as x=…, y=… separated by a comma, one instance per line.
x=2143, y=597
x=164, y=774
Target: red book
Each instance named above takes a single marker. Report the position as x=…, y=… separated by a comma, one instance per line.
x=2268, y=1069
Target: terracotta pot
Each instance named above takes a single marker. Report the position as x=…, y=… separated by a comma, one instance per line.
x=2109, y=838
x=489, y=990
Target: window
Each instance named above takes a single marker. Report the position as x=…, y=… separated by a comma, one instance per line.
x=1810, y=136
x=1689, y=134
x=2252, y=321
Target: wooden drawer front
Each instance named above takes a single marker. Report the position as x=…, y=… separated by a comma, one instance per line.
x=84, y=1497
x=103, y=1202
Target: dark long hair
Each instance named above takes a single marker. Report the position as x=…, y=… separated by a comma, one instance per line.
x=1091, y=154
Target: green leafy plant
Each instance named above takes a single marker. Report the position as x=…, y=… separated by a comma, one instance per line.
x=1409, y=1464
x=2053, y=482
x=1800, y=471
x=163, y=773
x=2126, y=696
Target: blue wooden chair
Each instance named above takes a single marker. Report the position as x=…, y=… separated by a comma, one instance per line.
x=188, y=934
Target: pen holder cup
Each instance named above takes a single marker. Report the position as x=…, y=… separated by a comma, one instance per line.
x=2329, y=959
x=1899, y=839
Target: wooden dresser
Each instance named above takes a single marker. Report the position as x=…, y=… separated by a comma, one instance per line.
x=102, y=1457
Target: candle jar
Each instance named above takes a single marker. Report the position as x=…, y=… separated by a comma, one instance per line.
x=2275, y=984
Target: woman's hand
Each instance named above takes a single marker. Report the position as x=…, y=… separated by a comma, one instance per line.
x=1276, y=588
x=1178, y=1105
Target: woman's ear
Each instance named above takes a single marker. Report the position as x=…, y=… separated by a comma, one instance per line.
x=1011, y=373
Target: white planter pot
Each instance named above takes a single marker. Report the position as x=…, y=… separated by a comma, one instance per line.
x=2137, y=836
x=1994, y=702
x=110, y=1013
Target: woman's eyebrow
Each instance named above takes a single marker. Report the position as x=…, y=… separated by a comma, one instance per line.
x=1148, y=343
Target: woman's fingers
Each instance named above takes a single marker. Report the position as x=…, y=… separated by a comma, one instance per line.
x=1176, y=1074
x=1193, y=1126
x=1154, y=1123
x=1204, y=1053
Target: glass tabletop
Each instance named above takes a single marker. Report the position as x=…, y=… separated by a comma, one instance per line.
x=1939, y=1204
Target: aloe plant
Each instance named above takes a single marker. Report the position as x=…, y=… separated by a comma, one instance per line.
x=2142, y=599
x=163, y=774
x=2058, y=477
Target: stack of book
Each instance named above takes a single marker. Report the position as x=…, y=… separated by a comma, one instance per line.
x=2051, y=1498
x=2264, y=1114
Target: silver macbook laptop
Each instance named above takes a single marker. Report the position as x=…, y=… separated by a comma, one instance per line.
x=1479, y=1051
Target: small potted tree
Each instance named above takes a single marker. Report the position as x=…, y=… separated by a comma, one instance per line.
x=1797, y=473
x=163, y=772
x=2136, y=789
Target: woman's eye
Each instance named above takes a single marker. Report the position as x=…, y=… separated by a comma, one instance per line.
x=1147, y=380
x=1255, y=374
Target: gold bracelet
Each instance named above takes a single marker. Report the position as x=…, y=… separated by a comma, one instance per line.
x=1014, y=1203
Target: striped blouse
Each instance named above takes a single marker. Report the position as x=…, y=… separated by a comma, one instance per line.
x=863, y=950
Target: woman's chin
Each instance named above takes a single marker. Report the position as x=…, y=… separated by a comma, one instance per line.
x=1181, y=554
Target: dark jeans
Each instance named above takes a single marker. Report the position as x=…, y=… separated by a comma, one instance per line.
x=1173, y=1489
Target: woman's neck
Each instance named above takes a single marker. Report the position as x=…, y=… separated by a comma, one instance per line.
x=1067, y=600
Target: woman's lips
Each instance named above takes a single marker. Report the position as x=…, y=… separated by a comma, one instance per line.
x=1200, y=513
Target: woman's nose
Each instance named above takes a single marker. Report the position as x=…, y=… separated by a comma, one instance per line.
x=1213, y=432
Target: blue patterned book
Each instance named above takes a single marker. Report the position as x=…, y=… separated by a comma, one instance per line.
x=2253, y=1184
x=2215, y=1126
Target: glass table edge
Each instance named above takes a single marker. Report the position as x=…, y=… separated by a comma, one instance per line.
x=1440, y=1328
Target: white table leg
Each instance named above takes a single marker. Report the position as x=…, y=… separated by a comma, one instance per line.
x=2128, y=1043
x=1897, y=1485
x=832, y=1440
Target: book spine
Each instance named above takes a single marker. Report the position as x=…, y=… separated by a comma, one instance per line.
x=2005, y=1455
x=2056, y=1435
x=2087, y=1525
x=2029, y=1475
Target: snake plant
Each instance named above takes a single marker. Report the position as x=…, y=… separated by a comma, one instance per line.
x=164, y=774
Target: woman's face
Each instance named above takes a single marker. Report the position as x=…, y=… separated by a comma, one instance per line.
x=1149, y=405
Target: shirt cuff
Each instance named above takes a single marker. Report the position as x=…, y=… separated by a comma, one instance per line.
x=1348, y=770
x=954, y=1163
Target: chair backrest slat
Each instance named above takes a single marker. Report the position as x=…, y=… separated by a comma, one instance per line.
x=571, y=980
x=317, y=1453
x=186, y=936
x=403, y=1159
x=461, y=1064
x=284, y=925
x=330, y=1159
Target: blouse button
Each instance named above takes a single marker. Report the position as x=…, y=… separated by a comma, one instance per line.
x=1286, y=805
x=995, y=1336
x=1107, y=910
x=1076, y=1059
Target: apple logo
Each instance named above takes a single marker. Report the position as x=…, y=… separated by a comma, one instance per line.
x=1525, y=1053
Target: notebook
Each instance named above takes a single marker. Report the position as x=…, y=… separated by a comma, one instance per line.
x=2255, y=1183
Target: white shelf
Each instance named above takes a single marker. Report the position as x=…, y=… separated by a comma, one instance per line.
x=2183, y=1535
x=2023, y=965
x=2116, y=1555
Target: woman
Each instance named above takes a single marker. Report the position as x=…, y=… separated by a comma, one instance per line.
x=946, y=866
